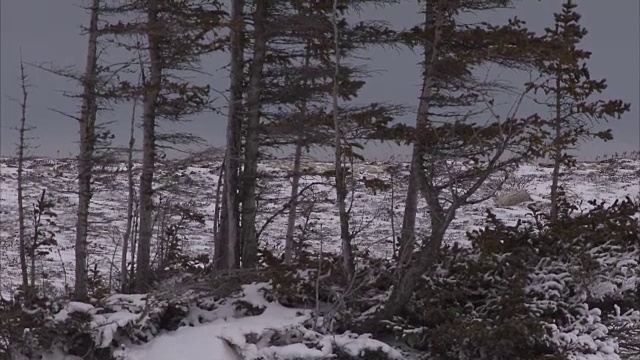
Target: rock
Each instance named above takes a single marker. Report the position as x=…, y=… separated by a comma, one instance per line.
x=512, y=199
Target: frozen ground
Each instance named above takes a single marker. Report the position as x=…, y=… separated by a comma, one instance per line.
x=195, y=186
x=276, y=333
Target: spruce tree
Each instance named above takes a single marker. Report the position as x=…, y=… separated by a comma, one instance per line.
x=570, y=91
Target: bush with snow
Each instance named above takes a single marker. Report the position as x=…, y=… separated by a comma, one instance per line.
x=535, y=290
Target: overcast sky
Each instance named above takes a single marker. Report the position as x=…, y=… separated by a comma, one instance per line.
x=48, y=31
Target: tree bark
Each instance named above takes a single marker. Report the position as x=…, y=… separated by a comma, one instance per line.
x=130, y=198
x=152, y=91
x=557, y=150
x=221, y=248
x=392, y=214
x=406, y=280
x=250, y=174
x=440, y=219
x=234, y=127
x=218, y=236
x=340, y=176
x=293, y=207
x=295, y=180
x=407, y=233
x=134, y=242
x=85, y=157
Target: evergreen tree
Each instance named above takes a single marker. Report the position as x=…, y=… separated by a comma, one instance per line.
x=570, y=90
x=453, y=155
x=288, y=49
x=168, y=38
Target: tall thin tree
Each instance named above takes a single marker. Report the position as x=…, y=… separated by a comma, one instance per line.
x=150, y=97
x=434, y=20
x=252, y=144
x=130, y=201
x=570, y=86
x=87, y=121
x=22, y=145
x=340, y=171
x=234, y=127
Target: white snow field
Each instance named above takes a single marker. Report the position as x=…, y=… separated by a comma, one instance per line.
x=227, y=334
x=196, y=185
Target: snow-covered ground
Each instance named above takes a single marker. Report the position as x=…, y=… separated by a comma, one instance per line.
x=195, y=186
x=223, y=332
x=275, y=333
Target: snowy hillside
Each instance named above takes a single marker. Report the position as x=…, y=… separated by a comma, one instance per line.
x=248, y=323
x=195, y=186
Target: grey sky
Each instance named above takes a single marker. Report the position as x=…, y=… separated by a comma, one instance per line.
x=49, y=31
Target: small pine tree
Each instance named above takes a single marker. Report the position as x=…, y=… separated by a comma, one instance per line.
x=570, y=88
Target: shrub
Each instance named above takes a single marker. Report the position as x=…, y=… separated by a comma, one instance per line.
x=534, y=290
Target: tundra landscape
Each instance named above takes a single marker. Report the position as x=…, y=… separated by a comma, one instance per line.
x=219, y=200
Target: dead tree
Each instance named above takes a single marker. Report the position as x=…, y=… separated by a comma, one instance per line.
x=22, y=131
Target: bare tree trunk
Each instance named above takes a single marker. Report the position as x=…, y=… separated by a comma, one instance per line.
x=152, y=90
x=403, y=289
x=250, y=174
x=21, y=150
x=38, y=210
x=406, y=280
x=221, y=249
x=130, y=196
x=340, y=176
x=407, y=232
x=218, y=237
x=392, y=214
x=557, y=151
x=234, y=126
x=293, y=207
x=134, y=242
x=85, y=156
x=295, y=181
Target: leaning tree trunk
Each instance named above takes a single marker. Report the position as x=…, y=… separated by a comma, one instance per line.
x=219, y=220
x=234, y=127
x=403, y=289
x=293, y=205
x=250, y=174
x=85, y=157
x=340, y=175
x=145, y=227
x=407, y=233
x=407, y=276
x=295, y=180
